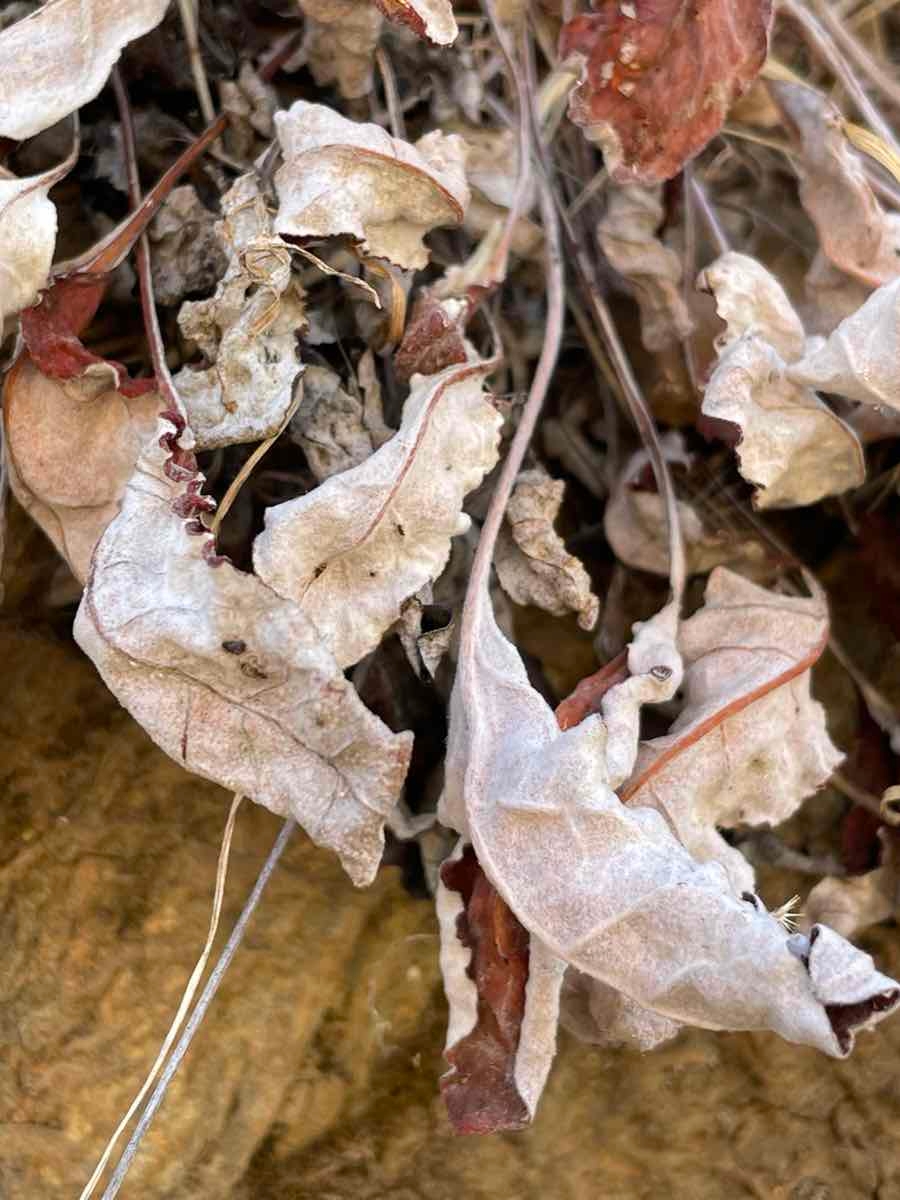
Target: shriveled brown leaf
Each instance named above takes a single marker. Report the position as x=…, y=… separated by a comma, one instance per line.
x=855, y=233
x=750, y=744
x=433, y=338
x=72, y=448
x=248, y=331
x=341, y=178
x=186, y=253
x=531, y=559
x=335, y=429
x=365, y=540
x=229, y=679
x=341, y=36
x=660, y=75
x=628, y=236
x=431, y=19
x=58, y=58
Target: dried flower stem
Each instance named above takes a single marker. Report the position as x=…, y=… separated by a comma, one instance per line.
x=188, y=11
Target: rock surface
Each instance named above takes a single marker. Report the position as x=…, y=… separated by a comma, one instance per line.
x=316, y=1071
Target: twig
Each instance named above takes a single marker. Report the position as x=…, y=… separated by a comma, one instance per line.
x=201, y=83
x=196, y=1018
x=391, y=97
x=885, y=82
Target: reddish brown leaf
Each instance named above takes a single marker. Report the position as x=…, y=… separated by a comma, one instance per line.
x=660, y=76
x=431, y=19
x=434, y=337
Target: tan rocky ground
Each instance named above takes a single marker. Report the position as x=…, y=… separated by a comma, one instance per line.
x=315, y=1073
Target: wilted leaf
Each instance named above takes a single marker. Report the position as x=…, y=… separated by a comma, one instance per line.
x=248, y=330
x=365, y=540
x=341, y=36
x=229, y=679
x=343, y=178
x=628, y=237
x=335, y=430
x=854, y=231
x=433, y=338
x=58, y=58
x=187, y=255
x=531, y=559
x=72, y=450
x=750, y=743
x=432, y=19
x=861, y=359
x=660, y=75
x=596, y=1013
x=250, y=104
x=792, y=445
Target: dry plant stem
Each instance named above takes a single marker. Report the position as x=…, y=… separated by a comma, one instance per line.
x=820, y=41
x=188, y=11
x=391, y=96
x=713, y=225
x=859, y=795
x=886, y=84
x=187, y=997
x=206, y=997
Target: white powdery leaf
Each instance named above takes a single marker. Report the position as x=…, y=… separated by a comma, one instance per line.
x=749, y=299
x=537, y=1037
x=59, y=57
x=248, y=330
x=792, y=446
x=861, y=359
x=431, y=19
x=609, y=889
x=455, y=960
x=356, y=547
x=531, y=559
x=596, y=1013
x=71, y=446
x=27, y=239
x=229, y=679
x=344, y=178
x=751, y=743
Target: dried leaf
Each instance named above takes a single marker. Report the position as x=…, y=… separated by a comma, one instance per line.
x=628, y=237
x=228, y=678
x=187, y=255
x=250, y=104
x=335, y=430
x=750, y=744
x=660, y=75
x=854, y=232
x=248, y=330
x=58, y=58
x=27, y=238
x=792, y=446
x=598, y=1014
x=431, y=19
x=341, y=36
x=608, y=888
x=72, y=450
x=365, y=540
x=433, y=339
x=861, y=359
x=531, y=559
x=343, y=178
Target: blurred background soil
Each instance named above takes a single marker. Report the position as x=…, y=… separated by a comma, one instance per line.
x=315, y=1074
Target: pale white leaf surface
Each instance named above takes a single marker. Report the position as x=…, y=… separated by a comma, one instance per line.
x=749, y=299
x=344, y=178
x=431, y=19
x=609, y=889
x=628, y=236
x=339, y=43
x=537, y=1037
x=853, y=904
x=335, y=429
x=531, y=559
x=27, y=239
x=596, y=1013
x=861, y=359
x=248, y=330
x=353, y=549
x=229, y=679
x=750, y=743
x=59, y=57
x=72, y=446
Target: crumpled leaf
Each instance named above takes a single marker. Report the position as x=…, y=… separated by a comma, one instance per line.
x=431, y=19
x=58, y=58
x=855, y=233
x=608, y=888
x=27, y=238
x=344, y=178
x=792, y=446
x=335, y=429
x=250, y=104
x=248, y=330
x=71, y=450
x=531, y=559
x=860, y=359
x=229, y=679
x=340, y=41
x=433, y=338
x=627, y=233
x=596, y=1013
x=750, y=743
x=660, y=75
x=365, y=540
x=187, y=255
x=853, y=904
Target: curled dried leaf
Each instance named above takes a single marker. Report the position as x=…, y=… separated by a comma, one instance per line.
x=343, y=178
x=431, y=19
x=341, y=36
x=367, y=539
x=72, y=450
x=628, y=237
x=187, y=254
x=248, y=331
x=531, y=559
x=433, y=338
x=58, y=58
x=229, y=679
x=850, y=905
x=660, y=75
x=335, y=429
